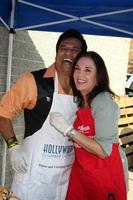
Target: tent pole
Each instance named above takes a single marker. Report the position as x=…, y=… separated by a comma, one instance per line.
x=8, y=84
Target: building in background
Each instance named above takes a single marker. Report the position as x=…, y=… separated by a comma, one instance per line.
x=130, y=61
x=129, y=80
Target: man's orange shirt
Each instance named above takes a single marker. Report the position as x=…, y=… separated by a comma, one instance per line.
x=23, y=94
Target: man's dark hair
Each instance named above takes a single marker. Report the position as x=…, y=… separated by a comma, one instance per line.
x=72, y=33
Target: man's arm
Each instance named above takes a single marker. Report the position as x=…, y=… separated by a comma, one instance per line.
x=6, y=128
x=21, y=95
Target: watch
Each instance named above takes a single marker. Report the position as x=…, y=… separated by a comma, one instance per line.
x=11, y=142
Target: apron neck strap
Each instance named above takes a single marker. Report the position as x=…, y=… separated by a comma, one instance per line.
x=56, y=82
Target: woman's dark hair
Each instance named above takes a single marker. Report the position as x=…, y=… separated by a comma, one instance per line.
x=101, y=77
x=72, y=33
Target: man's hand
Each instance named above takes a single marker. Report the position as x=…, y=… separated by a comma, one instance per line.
x=60, y=123
x=19, y=160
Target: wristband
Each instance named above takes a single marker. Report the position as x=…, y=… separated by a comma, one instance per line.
x=11, y=142
x=68, y=130
x=72, y=133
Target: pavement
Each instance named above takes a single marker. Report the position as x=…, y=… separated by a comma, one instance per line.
x=130, y=193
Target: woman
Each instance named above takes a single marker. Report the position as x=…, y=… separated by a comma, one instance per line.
x=97, y=172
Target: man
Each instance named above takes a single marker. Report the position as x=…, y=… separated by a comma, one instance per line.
x=43, y=162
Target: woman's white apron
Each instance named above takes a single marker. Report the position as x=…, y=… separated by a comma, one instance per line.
x=51, y=156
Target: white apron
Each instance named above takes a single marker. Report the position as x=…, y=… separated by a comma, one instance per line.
x=51, y=156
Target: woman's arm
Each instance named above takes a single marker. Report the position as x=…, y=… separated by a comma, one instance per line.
x=106, y=114
x=87, y=143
